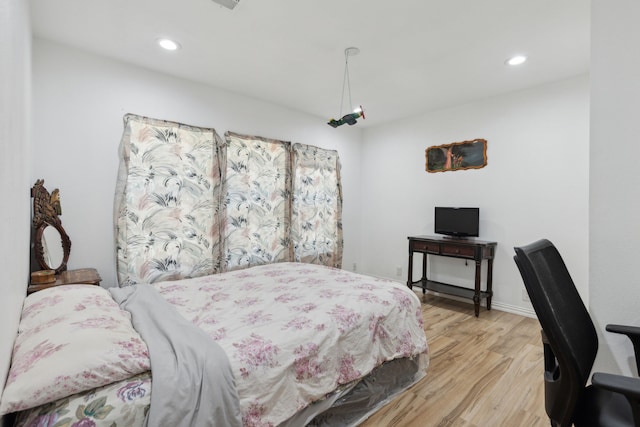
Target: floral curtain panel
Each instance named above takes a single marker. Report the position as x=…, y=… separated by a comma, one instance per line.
x=316, y=224
x=257, y=182
x=167, y=203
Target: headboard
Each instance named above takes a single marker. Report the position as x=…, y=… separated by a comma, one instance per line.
x=189, y=204
x=167, y=202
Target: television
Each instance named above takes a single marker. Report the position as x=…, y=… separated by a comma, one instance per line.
x=457, y=222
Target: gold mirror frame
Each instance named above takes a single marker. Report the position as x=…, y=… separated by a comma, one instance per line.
x=46, y=208
x=457, y=156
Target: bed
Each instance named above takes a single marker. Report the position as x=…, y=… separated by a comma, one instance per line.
x=306, y=345
x=231, y=309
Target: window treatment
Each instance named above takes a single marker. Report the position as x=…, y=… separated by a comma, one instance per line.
x=189, y=204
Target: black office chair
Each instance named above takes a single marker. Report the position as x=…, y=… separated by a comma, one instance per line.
x=570, y=345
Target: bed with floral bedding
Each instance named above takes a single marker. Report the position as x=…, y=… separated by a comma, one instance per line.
x=296, y=335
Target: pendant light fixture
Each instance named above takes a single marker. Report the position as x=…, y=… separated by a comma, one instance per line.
x=349, y=118
x=229, y=4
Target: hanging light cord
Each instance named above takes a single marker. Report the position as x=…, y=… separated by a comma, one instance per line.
x=346, y=81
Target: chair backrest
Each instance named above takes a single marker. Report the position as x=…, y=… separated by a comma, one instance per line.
x=565, y=322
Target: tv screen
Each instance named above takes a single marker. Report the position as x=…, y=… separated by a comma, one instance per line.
x=458, y=222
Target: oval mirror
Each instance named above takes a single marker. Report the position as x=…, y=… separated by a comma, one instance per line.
x=52, y=247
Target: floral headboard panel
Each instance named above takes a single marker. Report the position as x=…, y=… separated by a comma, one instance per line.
x=189, y=204
x=316, y=229
x=283, y=203
x=167, y=202
x=258, y=201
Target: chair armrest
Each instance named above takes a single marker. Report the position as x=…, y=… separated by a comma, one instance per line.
x=633, y=332
x=627, y=386
x=630, y=331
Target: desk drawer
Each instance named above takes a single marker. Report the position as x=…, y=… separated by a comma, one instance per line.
x=458, y=250
x=430, y=247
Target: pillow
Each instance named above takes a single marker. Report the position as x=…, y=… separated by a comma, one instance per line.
x=70, y=339
x=123, y=403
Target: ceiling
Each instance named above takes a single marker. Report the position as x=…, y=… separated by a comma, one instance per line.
x=415, y=55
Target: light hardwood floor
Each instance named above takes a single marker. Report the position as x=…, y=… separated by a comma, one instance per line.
x=484, y=371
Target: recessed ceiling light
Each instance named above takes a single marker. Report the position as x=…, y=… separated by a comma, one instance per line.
x=516, y=60
x=168, y=44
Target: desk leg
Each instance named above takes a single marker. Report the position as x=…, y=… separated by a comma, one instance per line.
x=410, y=270
x=424, y=273
x=489, y=282
x=476, y=294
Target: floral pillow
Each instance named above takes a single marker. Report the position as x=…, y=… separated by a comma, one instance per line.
x=70, y=339
x=121, y=404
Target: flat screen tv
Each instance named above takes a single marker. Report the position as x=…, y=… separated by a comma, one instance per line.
x=457, y=222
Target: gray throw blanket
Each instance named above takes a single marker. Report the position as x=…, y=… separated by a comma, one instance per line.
x=193, y=384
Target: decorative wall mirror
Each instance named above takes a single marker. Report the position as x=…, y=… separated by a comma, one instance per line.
x=51, y=243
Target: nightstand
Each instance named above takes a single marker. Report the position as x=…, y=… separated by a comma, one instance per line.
x=83, y=276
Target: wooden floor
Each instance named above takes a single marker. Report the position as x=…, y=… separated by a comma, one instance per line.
x=484, y=371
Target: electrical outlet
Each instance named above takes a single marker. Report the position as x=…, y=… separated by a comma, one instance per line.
x=525, y=296
x=355, y=267
x=398, y=271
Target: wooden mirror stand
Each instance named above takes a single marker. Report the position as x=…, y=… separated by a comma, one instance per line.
x=46, y=211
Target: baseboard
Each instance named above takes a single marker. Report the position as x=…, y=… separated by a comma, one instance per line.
x=522, y=311
x=495, y=305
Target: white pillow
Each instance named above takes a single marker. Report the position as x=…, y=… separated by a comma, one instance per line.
x=70, y=339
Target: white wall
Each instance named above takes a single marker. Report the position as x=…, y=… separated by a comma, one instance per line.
x=534, y=186
x=79, y=102
x=615, y=177
x=15, y=171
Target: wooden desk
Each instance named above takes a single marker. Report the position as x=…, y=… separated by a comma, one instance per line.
x=84, y=276
x=477, y=250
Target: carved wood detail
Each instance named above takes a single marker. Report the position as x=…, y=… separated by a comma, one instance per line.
x=46, y=211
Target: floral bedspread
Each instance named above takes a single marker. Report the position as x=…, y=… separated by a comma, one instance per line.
x=294, y=332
